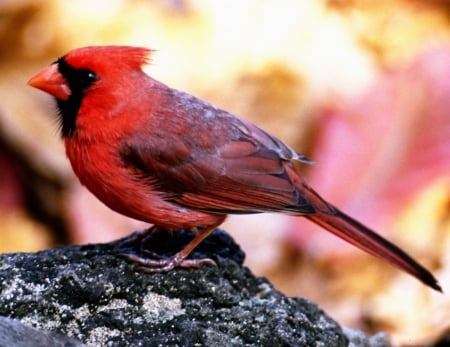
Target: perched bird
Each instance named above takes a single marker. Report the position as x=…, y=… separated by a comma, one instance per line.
x=165, y=157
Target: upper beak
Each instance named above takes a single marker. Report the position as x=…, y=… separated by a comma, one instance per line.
x=51, y=81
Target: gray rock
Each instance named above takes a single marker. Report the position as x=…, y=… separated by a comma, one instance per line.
x=16, y=334
x=358, y=339
x=93, y=294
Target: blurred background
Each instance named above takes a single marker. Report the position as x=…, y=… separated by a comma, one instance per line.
x=361, y=87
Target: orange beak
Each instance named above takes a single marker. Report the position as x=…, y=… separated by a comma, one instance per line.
x=51, y=81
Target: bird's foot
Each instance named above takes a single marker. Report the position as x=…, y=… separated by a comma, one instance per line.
x=154, y=262
x=161, y=264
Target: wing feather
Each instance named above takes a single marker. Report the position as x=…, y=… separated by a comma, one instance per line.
x=220, y=163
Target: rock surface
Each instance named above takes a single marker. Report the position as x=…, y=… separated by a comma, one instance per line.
x=16, y=334
x=94, y=295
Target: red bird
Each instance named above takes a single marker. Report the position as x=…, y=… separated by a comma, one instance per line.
x=165, y=157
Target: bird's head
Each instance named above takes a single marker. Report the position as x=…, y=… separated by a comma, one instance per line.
x=84, y=71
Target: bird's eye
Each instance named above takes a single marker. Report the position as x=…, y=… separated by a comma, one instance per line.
x=87, y=77
x=91, y=76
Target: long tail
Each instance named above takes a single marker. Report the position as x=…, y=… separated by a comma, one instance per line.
x=347, y=228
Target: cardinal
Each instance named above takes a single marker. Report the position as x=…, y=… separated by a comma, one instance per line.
x=165, y=157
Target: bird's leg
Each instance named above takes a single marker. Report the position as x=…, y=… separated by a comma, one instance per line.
x=136, y=237
x=140, y=238
x=160, y=264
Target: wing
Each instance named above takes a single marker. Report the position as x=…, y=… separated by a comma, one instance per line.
x=210, y=160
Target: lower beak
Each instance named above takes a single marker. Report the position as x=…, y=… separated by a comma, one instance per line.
x=51, y=81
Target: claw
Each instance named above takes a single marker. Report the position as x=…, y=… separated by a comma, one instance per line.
x=153, y=262
x=160, y=264
x=171, y=263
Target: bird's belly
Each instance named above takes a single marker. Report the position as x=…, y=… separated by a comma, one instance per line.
x=119, y=188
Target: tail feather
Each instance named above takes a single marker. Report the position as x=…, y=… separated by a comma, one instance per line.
x=352, y=231
x=362, y=237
